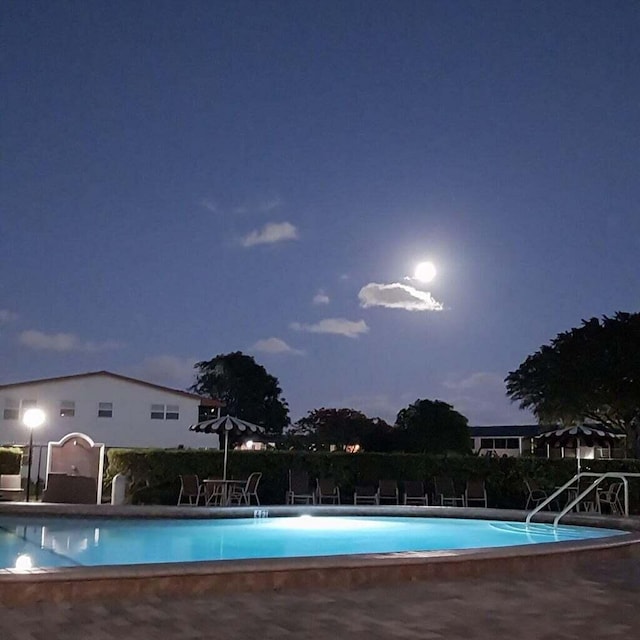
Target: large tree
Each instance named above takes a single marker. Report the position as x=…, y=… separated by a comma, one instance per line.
x=321, y=428
x=245, y=388
x=432, y=426
x=588, y=373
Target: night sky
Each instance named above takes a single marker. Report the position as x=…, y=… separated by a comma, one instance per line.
x=184, y=179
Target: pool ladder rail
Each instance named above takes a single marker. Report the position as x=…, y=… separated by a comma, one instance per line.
x=599, y=477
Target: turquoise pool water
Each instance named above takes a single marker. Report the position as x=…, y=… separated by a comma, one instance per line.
x=62, y=542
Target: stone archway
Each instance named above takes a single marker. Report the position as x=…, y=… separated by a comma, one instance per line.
x=75, y=466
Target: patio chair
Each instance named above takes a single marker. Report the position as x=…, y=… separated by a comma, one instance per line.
x=299, y=491
x=190, y=489
x=590, y=502
x=11, y=487
x=365, y=494
x=475, y=493
x=244, y=494
x=388, y=492
x=327, y=490
x=415, y=493
x=536, y=495
x=215, y=492
x=611, y=498
x=445, y=492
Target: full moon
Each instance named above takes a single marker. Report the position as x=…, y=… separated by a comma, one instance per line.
x=425, y=272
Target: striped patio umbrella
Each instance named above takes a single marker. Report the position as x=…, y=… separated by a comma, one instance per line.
x=226, y=425
x=581, y=434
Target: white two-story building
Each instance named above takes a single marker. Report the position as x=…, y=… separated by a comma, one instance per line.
x=110, y=408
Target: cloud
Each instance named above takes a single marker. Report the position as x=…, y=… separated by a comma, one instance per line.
x=264, y=205
x=275, y=345
x=321, y=297
x=397, y=296
x=373, y=406
x=7, y=316
x=482, y=398
x=269, y=204
x=170, y=371
x=269, y=234
x=209, y=205
x=63, y=342
x=337, y=326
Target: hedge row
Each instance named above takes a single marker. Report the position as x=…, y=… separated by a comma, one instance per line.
x=10, y=460
x=155, y=472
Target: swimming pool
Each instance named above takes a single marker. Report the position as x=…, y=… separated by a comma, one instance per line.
x=48, y=550
x=26, y=543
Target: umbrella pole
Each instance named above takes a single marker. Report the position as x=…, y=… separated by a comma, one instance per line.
x=226, y=452
x=578, y=454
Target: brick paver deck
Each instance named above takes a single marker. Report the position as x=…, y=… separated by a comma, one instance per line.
x=594, y=601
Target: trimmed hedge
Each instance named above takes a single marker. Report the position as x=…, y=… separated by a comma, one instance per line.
x=10, y=460
x=155, y=472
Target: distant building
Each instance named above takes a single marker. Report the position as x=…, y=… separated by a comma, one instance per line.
x=110, y=408
x=519, y=440
x=510, y=440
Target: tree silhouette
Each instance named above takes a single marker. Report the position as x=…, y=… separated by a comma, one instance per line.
x=245, y=388
x=588, y=373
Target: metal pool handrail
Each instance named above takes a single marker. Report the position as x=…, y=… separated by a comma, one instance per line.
x=599, y=477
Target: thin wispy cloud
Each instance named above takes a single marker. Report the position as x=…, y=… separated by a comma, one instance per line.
x=7, y=316
x=264, y=205
x=271, y=233
x=481, y=397
x=268, y=204
x=336, y=326
x=321, y=298
x=397, y=296
x=62, y=342
x=170, y=371
x=275, y=346
x=209, y=205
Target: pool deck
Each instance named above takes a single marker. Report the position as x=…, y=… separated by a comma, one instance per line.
x=593, y=600
x=594, y=595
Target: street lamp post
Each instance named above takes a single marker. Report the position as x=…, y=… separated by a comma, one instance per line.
x=32, y=419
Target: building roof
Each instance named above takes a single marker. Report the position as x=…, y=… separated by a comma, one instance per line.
x=209, y=402
x=507, y=431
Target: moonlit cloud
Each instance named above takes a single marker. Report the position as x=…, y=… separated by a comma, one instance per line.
x=321, y=298
x=481, y=397
x=397, y=296
x=337, y=326
x=271, y=233
x=63, y=342
x=276, y=346
x=7, y=316
x=170, y=371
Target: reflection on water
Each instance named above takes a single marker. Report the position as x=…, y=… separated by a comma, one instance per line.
x=69, y=541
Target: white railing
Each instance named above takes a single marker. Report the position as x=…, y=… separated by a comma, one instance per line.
x=599, y=477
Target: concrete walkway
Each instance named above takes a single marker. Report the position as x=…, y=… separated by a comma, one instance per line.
x=594, y=601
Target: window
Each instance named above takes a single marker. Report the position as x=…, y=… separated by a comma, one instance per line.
x=165, y=412
x=11, y=409
x=512, y=443
x=500, y=443
x=67, y=409
x=173, y=412
x=105, y=409
x=157, y=412
x=486, y=443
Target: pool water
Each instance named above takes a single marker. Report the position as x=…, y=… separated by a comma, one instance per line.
x=61, y=542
